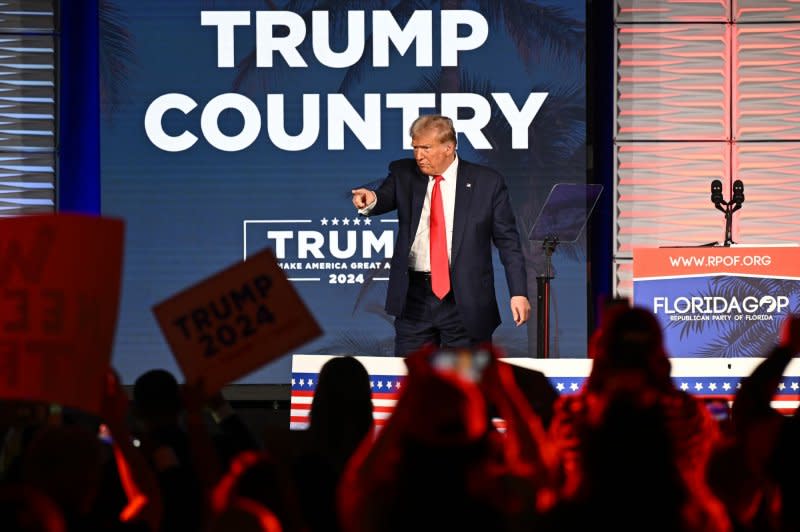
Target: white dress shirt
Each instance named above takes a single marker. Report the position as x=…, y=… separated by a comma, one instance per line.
x=419, y=258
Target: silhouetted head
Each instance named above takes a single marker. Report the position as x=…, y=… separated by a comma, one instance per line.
x=156, y=397
x=65, y=463
x=256, y=476
x=442, y=456
x=444, y=410
x=629, y=346
x=341, y=411
x=629, y=463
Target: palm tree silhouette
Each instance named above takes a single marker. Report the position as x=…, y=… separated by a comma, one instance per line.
x=741, y=338
x=117, y=56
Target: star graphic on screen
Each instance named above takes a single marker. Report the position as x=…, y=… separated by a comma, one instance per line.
x=324, y=221
x=726, y=386
x=560, y=386
x=795, y=386
x=573, y=387
x=684, y=386
x=781, y=386
x=345, y=221
x=310, y=382
x=367, y=221
x=335, y=221
x=698, y=386
x=356, y=221
x=712, y=386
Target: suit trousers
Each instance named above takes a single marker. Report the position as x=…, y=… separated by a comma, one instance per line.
x=426, y=319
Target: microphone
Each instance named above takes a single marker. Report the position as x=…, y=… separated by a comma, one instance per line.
x=716, y=192
x=737, y=198
x=738, y=192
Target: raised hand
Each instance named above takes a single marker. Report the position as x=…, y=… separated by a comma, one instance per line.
x=362, y=197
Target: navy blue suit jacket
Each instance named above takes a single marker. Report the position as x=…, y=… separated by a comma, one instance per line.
x=482, y=216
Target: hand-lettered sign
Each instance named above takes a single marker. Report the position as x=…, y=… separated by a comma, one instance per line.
x=235, y=321
x=59, y=297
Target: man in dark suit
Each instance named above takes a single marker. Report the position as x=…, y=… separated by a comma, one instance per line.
x=441, y=286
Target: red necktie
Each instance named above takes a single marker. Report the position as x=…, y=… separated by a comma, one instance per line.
x=440, y=273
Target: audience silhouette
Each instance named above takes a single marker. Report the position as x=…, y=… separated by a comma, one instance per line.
x=629, y=358
x=467, y=447
x=341, y=418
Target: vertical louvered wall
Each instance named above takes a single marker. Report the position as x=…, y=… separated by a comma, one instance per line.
x=27, y=106
x=705, y=89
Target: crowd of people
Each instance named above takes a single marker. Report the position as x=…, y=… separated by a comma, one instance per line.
x=628, y=451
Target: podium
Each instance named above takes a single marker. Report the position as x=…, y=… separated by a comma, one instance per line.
x=718, y=301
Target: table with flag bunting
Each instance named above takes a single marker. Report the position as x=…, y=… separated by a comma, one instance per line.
x=706, y=378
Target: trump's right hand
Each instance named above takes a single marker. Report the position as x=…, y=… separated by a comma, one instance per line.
x=362, y=197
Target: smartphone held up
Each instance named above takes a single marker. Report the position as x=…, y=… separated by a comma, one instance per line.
x=467, y=363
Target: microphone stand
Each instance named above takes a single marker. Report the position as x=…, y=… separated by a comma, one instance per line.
x=728, y=210
x=728, y=227
x=732, y=208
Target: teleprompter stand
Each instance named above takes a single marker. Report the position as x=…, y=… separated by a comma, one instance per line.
x=562, y=219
